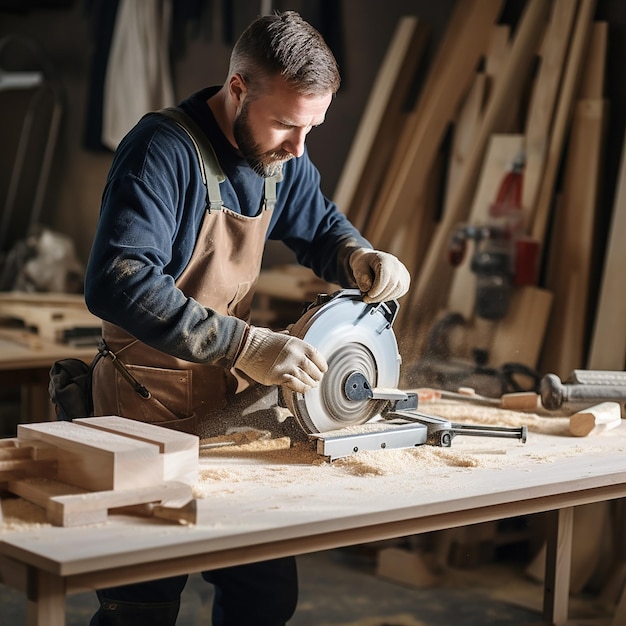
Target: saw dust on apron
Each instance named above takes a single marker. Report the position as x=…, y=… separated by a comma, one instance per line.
x=221, y=275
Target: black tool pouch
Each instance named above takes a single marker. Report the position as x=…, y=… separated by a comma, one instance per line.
x=70, y=386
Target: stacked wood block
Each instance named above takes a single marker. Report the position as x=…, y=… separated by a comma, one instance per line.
x=78, y=471
x=532, y=89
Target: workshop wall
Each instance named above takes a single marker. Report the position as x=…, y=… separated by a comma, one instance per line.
x=66, y=32
x=67, y=36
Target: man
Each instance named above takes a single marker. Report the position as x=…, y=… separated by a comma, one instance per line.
x=173, y=281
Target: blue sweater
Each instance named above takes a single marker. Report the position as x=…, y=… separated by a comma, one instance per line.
x=152, y=210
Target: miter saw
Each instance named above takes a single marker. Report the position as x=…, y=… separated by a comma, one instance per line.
x=357, y=405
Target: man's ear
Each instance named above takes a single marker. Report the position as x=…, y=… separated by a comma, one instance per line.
x=237, y=89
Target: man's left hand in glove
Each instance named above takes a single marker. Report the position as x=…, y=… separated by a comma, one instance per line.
x=379, y=275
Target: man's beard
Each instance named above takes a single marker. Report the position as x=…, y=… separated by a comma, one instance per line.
x=265, y=164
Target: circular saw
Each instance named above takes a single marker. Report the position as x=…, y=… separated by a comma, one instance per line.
x=358, y=343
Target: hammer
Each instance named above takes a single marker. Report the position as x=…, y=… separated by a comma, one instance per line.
x=576, y=396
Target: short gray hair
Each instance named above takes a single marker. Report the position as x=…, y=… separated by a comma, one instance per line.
x=285, y=44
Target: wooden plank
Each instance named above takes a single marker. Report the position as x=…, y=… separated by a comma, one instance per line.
x=431, y=289
x=464, y=43
x=97, y=460
x=465, y=128
x=544, y=96
x=571, y=265
x=608, y=342
x=40, y=490
x=89, y=508
x=563, y=113
x=180, y=450
x=593, y=80
x=380, y=123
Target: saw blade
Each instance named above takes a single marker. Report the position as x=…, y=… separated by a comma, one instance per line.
x=354, y=337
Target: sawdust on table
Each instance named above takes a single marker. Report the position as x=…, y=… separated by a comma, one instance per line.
x=234, y=458
x=300, y=463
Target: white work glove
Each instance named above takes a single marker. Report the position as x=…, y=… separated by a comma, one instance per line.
x=379, y=275
x=273, y=358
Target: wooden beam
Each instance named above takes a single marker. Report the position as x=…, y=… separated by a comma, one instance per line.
x=545, y=95
x=571, y=252
x=563, y=114
x=180, y=450
x=608, y=342
x=381, y=122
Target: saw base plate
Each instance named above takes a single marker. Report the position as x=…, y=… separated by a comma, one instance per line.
x=339, y=444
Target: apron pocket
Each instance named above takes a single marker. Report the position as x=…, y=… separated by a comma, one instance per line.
x=170, y=394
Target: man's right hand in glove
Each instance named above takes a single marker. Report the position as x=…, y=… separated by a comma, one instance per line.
x=273, y=358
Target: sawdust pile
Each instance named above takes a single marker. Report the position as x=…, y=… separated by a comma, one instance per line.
x=300, y=463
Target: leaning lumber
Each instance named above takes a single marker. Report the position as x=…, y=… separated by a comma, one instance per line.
x=608, y=342
x=381, y=123
x=465, y=43
x=431, y=288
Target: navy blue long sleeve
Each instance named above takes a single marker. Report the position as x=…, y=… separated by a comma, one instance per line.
x=152, y=210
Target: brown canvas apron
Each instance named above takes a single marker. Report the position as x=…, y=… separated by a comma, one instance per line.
x=221, y=275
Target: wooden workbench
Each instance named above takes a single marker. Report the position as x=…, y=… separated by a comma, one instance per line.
x=259, y=506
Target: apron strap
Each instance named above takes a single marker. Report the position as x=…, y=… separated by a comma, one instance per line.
x=210, y=165
x=212, y=174
x=270, y=191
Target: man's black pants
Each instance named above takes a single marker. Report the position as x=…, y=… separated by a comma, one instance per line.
x=259, y=594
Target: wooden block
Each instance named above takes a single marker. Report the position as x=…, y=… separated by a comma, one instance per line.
x=98, y=460
x=405, y=567
x=88, y=508
x=19, y=468
x=195, y=512
x=521, y=401
x=40, y=490
x=180, y=450
x=595, y=419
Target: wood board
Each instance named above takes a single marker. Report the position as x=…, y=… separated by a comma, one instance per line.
x=381, y=122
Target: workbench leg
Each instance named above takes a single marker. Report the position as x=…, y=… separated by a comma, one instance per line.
x=46, y=600
x=558, y=565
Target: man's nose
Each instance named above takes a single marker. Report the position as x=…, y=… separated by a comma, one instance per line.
x=295, y=144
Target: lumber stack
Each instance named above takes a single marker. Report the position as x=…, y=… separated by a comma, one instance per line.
x=494, y=93
x=81, y=471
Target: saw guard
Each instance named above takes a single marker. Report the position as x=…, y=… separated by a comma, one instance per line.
x=353, y=336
